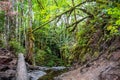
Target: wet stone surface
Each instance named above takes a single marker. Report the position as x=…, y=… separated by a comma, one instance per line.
x=35, y=75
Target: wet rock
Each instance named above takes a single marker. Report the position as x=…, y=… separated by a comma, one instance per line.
x=38, y=71
x=35, y=75
x=45, y=68
x=58, y=68
x=7, y=75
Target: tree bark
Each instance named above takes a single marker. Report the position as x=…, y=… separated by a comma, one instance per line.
x=21, y=68
x=30, y=38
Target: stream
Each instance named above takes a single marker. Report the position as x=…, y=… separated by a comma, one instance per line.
x=47, y=73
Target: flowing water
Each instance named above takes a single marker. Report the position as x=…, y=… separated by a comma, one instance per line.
x=51, y=74
x=47, y=73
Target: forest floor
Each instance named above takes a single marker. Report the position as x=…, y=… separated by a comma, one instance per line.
x=102, y=68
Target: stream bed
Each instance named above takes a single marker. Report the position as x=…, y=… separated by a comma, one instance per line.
x=45, y=73
x=51, y=74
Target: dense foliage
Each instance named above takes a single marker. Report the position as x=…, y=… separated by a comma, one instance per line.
x=62, y=31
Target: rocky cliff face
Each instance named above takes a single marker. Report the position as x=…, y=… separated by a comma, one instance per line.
x=7, y=65
x=100, y=69
x=104, y=67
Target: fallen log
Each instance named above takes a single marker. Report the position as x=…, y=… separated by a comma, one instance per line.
x=21, y=68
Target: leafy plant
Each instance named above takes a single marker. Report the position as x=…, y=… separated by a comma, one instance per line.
x=16, y=47
x=40, y=57
x=45, y=59
x=115, y=14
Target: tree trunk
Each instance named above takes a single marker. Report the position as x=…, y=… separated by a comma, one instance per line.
x=30, y=38
x=6, y=30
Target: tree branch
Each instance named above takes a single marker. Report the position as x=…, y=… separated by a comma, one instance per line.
x=71, y=9
x=56, y=2
x=85, y=11
x=74, y=13
x=40, y=4
x=77, y=22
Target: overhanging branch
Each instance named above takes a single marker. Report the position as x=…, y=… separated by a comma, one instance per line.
x=85, y=11
x=78, y=21
x=40, y=4
x=71, y=9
